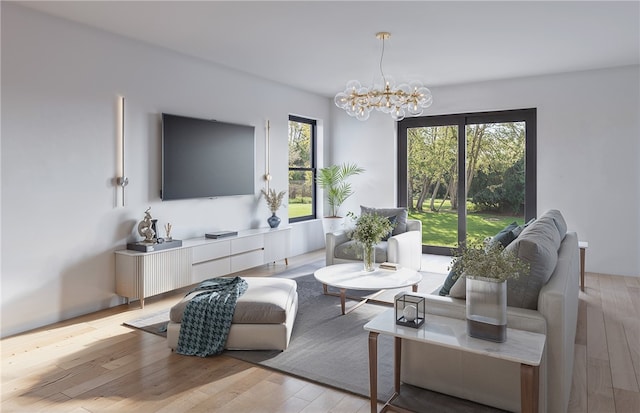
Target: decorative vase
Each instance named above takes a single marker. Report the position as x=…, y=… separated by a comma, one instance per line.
x=487, y=308
x=273, y=220
x=369, y=252
x=154, y=222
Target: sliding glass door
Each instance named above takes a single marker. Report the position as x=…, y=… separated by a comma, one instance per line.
x=432, y=158
x=467, y=176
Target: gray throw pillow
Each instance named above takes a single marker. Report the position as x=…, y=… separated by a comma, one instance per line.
x=558, y=219
x=537, y=245
x=459, y=288
x=449, y=281
x=505, y=236
x=399, y=213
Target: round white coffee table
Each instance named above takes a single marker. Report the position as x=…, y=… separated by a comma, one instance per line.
x=352, y=277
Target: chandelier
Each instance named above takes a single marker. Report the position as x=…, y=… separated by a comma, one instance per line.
x=359, y=101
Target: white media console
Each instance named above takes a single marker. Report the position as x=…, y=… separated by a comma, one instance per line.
x=144, y=274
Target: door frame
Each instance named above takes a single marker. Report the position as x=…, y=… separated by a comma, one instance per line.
x=529, y=116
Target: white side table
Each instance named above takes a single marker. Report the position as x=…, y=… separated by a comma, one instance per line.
x=522, y=347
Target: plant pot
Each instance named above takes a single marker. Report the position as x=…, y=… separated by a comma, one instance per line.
x=486, y=308
x=332, y=224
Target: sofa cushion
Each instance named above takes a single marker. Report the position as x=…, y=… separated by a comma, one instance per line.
x=518, y=230
x=537, y=245
x=558, y=219
x=459, y=288
x=399, y=213
x=266, y=301
x=505, y=236
x=449, y=281
x=351, y=250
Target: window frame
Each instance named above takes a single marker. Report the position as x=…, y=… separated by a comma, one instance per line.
x=312, y=168
x=529, y=116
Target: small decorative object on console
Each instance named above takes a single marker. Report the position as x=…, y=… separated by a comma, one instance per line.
x=220, y=234
x=151, y=241
x=145, y=228
x=159, y=246
x=167, y=231
x=410, y=310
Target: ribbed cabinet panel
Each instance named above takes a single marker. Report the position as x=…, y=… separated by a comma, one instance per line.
x=164, y=272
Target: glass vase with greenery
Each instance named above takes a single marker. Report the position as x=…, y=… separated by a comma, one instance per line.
x=493, y=263
x=486, y=270
x=369, y=230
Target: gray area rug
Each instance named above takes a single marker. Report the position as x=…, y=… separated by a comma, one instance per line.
x=155, y=323
x=330, y=348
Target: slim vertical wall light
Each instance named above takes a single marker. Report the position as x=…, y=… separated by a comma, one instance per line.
x=267, y=175
x=121, y=179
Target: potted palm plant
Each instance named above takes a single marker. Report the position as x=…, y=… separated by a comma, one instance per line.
x=333, y=180
x=486, y=270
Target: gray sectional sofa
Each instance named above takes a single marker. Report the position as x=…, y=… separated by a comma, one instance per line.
x=546, y=301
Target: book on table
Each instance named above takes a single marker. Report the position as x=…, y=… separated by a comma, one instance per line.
x=389, y=266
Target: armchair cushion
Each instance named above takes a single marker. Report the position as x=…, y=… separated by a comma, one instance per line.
x=399, y=213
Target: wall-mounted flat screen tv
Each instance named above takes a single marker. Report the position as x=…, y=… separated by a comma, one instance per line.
x=204, y=158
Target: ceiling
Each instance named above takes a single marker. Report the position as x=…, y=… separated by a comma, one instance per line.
x=319, y=45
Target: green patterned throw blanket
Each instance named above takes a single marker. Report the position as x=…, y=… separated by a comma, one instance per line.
x=207, y=317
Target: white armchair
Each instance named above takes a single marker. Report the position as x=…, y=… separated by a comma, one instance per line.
x=404, y=249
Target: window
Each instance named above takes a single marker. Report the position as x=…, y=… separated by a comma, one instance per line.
x=467, y=176
x=302, y=169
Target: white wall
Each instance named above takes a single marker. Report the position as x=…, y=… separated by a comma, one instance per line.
x=588, y=153
x=60, y=222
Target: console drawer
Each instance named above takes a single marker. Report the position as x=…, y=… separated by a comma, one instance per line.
x=210, y=269
x=210, y=251
x=245, y=244
x=248, y=260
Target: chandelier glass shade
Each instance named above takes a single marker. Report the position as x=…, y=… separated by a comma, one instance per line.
x=358, y=101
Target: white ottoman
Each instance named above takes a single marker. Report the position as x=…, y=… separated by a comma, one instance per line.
x=263, y=318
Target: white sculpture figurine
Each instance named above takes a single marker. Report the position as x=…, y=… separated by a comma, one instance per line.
x=145, y=228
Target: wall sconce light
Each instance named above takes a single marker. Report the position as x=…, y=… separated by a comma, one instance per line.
x=267, y=175
x=121, y=180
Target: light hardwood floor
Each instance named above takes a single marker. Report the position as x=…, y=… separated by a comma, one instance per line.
x=93, y=364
